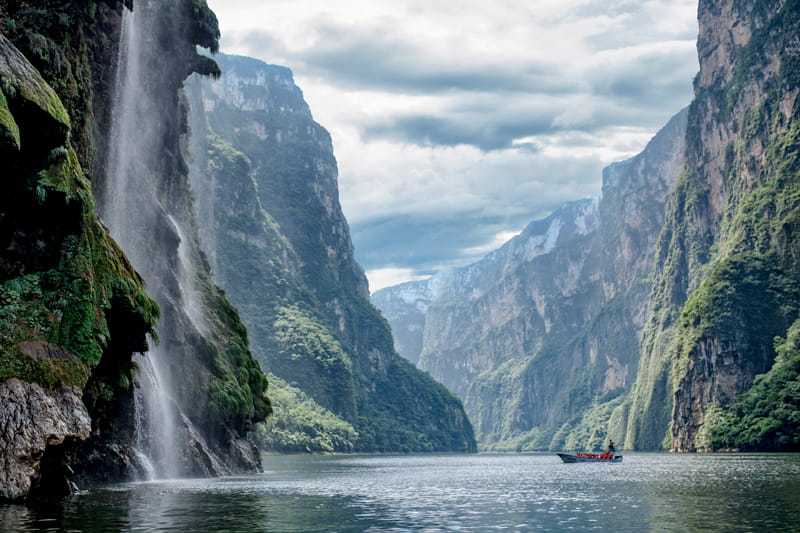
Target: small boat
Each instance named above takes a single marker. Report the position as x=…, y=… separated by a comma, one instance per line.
x=609, y=456
x=590, y=457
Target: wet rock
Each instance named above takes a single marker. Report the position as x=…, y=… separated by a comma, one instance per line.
x=32, y=420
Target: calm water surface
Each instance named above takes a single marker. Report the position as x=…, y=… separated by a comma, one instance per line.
x=433, y=493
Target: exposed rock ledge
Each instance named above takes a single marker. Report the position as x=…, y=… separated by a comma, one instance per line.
x=31, y=420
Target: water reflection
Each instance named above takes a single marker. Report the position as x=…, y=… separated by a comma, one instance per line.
x=729, y=493
x=648, y=492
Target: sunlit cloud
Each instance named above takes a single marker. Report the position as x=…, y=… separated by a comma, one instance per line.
x=386, y=277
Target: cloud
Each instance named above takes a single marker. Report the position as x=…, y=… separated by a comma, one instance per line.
x=426, y=130
x=490, y=76
x=386, y=277
x=455, y=124
x=370, y=58
x=424, y=243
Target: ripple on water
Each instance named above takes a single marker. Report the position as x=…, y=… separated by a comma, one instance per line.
x=469, y=493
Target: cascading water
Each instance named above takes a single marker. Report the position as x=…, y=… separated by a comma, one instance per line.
x=191, y=296
x=131, y=205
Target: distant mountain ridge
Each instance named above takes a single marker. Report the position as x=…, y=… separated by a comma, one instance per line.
x=546, y=327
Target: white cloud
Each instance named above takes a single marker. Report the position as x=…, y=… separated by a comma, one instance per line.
x=491, y=113
x=386, y=277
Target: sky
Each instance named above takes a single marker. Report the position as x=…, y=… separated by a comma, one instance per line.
x=455, y=124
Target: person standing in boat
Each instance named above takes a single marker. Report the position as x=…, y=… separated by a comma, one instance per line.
x=611, y=446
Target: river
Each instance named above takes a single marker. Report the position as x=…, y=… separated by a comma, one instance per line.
x=442, y=493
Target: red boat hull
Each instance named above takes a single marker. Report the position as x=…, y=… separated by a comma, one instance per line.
x=570, y=458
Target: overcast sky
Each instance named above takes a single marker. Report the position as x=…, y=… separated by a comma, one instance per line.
x=455, y=123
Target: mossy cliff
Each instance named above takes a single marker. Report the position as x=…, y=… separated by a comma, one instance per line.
x=214, y=390
x=279, y=244
x=728, y=266
x=73, y=310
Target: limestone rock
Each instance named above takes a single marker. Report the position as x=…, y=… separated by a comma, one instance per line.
x=31, y=420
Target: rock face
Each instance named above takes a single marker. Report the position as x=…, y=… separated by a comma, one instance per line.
x=34, y=422
x=73, y=310
x=405, y=306
x=201, y=388
x=727, y=268
x=280, y=246
x=546, y=328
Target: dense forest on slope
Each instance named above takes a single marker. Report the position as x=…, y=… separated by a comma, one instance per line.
x=277, y=241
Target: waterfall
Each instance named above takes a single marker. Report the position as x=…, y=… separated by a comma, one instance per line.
x=133, y=204
x=156, y=438
x=188, y=287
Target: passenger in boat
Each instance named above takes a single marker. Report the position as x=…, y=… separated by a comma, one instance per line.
x=610, y=446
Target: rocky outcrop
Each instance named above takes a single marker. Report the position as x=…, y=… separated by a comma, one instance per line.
x=280, y=246
x=405, y=307
x=725, y=284
x=546, y=328
x=33, y=421
x=72, y=310
x=203, y=380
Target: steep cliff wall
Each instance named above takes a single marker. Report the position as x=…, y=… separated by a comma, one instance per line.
x=72, y=309
x=727, y=278
x=280, y=246
x=405, y=306
x=203, y=390
x=546, y=328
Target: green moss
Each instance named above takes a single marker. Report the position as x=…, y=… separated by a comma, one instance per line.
x=746, y=301
x=29, y=85
x=206, y=31
x=9, y=130
x=50, y=373
x=237, y=391
x=67, y=307
x=66, y=304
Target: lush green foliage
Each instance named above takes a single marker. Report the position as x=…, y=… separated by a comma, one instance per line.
x=80, y=307
x=282, y=253
x=54, y=310
x=301, y=425
x=237, y=390
x=729, y=260
x=304, y=348
x=411, y=412
x=767, y=416
x=9, y=130
x=746, y=300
